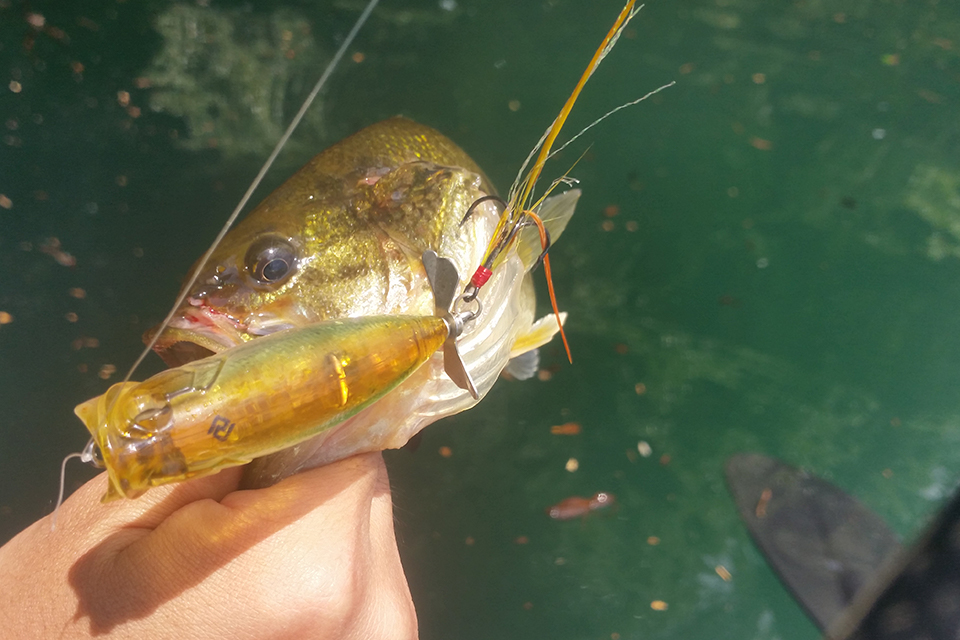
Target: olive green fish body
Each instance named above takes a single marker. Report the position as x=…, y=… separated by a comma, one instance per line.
x=343, y=237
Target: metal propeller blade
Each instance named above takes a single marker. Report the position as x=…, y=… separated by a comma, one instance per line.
x=445, y=282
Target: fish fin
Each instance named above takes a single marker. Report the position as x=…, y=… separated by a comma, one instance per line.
x=524, y=366
x=555, y=212
x=539, y=334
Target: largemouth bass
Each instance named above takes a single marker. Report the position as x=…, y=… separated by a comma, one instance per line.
x=354, y=234
x=343, y=238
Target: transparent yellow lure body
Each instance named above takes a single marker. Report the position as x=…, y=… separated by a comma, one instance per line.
x=252, y=400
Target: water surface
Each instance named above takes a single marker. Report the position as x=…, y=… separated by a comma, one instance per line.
x=765, y=258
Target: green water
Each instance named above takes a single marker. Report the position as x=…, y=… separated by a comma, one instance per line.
x=782, y=275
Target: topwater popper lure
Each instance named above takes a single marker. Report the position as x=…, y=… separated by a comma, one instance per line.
x=266, y=395
x=278, y=390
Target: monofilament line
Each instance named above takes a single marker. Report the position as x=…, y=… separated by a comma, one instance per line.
x=63, y=473
x=608, y=114
x=253, y=185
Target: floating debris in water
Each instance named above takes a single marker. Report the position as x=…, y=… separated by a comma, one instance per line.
x=659, y=605
x=106, y=371
x=566, y=429
x=761, y=510
x=77, y=292
x=84, y=342
x=446, y=452
x=5, y=202
x=52, y=247
x=848, y=202
x=521, y=540
x=572, y=465
x=5, y=318
x=653, y=541
x=514, y=105
x=640, y=388
x=644, y=449
x=576, y=507
x=723, y=573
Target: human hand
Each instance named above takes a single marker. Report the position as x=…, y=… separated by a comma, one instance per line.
x=312, y=557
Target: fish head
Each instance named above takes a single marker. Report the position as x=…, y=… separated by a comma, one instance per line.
x=343, y=237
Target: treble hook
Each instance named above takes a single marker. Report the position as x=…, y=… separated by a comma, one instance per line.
x=478, y=202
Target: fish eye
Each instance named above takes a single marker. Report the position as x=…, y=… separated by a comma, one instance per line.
x=270, y=260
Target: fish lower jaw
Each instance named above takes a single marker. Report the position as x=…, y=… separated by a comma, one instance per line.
x=195, y=336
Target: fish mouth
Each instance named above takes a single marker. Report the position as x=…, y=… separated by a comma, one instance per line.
x=199, y=332
x=194, y=334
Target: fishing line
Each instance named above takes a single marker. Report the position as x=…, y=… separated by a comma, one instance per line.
x=256, y=183
x=86, y=456
x=608, y=114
